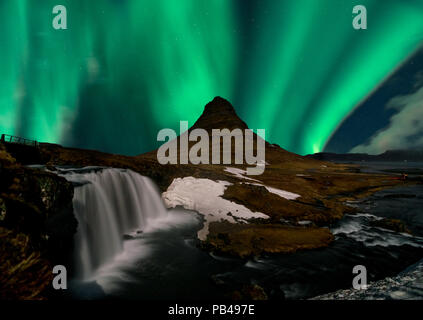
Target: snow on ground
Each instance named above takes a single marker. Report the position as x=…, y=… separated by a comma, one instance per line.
x=204, y=196
x=239, y=173
x=281, y=193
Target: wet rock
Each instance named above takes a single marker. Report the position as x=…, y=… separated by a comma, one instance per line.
x=128, y=237
x=391, y=224
x=2, y=210
x=248, y=292
x=236, y=295
x=133, y=235
x=277, y=294
x=51, y=168
x=217, y=281
x=254, y=292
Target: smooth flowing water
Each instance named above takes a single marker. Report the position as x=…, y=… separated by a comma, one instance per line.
x=109, y=205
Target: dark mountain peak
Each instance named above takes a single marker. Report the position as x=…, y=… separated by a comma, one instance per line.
x=219, y=114
x=219, y=104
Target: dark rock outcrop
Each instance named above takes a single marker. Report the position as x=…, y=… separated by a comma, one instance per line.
x=36, y=228
x=391, y=224
x=250, y=292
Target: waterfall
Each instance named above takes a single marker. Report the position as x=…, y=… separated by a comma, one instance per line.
x=109, y=203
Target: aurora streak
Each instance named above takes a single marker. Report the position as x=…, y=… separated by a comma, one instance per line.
x=125, y=69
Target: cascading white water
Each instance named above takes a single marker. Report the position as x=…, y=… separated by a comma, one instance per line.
x=109, y=203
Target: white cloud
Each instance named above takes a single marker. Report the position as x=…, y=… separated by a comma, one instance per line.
x=405, y=129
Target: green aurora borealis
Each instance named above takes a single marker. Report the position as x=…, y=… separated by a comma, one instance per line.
x=125, y=69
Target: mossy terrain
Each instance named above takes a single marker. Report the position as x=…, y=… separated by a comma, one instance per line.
x=256, y=239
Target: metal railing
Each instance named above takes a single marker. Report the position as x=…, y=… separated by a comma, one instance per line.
x=18, y=140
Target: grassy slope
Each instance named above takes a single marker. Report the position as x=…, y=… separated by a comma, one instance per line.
x=324, y=187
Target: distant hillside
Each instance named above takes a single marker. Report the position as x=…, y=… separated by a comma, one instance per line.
x=390, y=155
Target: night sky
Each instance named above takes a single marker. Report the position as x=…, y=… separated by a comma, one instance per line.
x=125, y=69
x=391, y=118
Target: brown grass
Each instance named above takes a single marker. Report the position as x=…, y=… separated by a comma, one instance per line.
x=24, y=271
x=246, y=240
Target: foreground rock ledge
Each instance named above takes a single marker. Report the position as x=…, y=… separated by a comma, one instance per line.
x=246, y=240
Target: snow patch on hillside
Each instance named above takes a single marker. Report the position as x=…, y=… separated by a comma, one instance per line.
x=281, y=193
x=204, y=196
x=239, y=173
